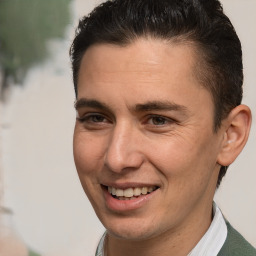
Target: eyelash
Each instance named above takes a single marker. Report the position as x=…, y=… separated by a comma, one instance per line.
x=162, y=118
x=89, y=118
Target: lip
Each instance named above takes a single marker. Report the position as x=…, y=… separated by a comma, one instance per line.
x=117, y=205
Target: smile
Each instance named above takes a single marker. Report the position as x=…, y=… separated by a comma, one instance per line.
x=129, y=197
x=130, y=193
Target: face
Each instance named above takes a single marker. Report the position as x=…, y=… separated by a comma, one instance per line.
x=144, y=145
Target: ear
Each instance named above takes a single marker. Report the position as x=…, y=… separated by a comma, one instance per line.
x=237, y=127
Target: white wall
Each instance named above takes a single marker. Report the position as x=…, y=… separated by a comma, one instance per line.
x=51, y=212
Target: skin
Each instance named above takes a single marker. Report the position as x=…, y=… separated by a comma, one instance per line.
x=124, y=139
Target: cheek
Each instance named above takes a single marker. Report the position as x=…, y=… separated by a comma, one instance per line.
x=88, y=153
x=185, y=160
x=186, y=171
x=88, y=161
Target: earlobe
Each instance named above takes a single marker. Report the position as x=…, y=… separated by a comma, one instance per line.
x=237, y=128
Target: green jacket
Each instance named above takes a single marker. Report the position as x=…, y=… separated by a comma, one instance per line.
x=236, y=245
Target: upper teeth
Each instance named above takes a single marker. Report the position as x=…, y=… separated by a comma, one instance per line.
x=130, y=192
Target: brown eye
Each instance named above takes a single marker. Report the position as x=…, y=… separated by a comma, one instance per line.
x=158, y=120
x=96, y=118
x=93, y=119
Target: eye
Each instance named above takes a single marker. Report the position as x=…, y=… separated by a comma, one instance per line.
x=159, y=120
x=93, y=118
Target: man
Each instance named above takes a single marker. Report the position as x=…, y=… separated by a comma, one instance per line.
x=159, y=120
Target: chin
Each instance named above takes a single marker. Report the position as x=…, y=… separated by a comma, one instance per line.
x=128, y=234
x=137, y=230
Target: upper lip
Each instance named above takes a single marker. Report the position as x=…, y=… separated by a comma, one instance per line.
x=129, y=185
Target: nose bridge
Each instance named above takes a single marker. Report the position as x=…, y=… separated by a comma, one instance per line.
x=123, y=149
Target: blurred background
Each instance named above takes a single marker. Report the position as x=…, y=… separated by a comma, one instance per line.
x=42, y=205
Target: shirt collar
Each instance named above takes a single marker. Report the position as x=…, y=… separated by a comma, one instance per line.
x=100, y=248
x=213, y=240
x=209, y=245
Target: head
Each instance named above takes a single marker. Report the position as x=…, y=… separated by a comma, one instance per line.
x=159, y=87
x=199, y=23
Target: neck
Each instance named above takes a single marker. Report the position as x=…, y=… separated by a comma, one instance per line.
x=178, y=241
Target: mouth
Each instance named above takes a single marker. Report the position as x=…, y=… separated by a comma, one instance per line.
x=130, y=193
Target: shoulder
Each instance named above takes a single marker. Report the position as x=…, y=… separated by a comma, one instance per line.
x=236, y=245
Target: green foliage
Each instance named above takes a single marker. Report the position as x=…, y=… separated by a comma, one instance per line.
x=32, y=253
x=25, y=28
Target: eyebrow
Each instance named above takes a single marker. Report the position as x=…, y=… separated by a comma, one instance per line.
x=160, y=105
x=90, y=103
x=144, y=107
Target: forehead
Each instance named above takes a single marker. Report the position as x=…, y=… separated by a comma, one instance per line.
x=145, y=70
x=153, y=56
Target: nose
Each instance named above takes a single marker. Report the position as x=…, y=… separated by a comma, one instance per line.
x=124, y=150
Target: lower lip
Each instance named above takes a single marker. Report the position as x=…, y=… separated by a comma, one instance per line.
x=117, y=205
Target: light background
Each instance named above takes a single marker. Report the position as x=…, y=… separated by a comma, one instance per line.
x=51, y=212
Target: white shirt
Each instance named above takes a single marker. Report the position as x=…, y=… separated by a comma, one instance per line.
x=214, y=238
x=209, y=245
